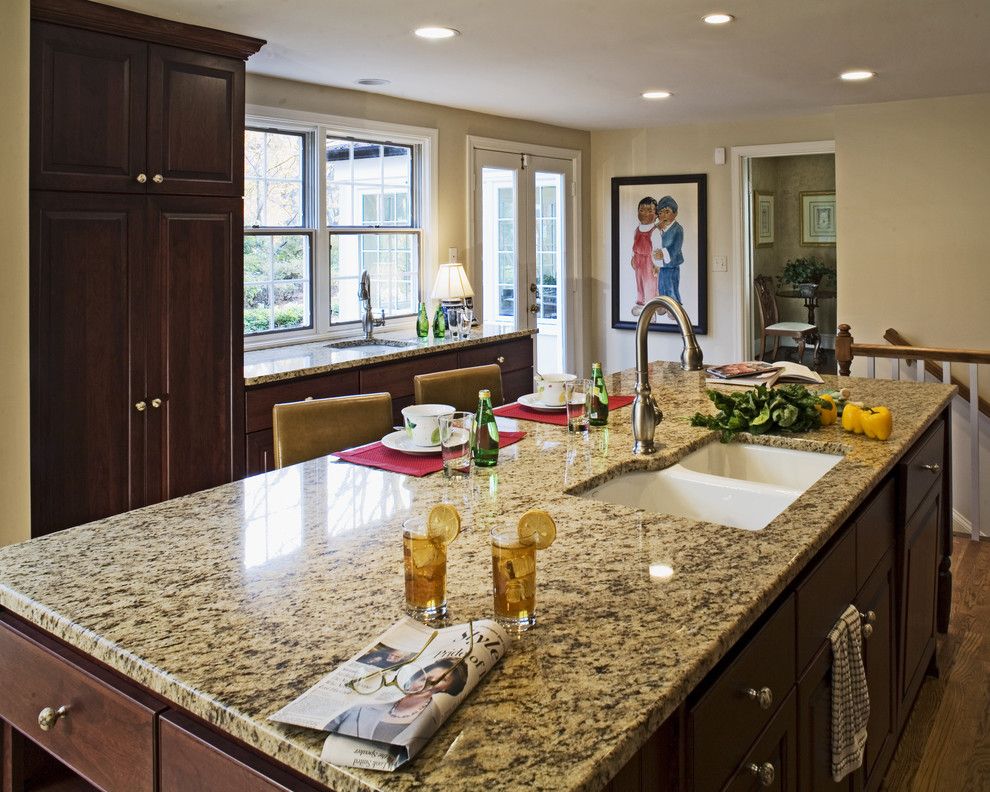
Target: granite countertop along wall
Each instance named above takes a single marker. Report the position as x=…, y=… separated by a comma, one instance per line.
x=277, y=364
x=232, y=601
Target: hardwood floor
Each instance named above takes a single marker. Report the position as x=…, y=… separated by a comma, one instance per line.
x=946, y=742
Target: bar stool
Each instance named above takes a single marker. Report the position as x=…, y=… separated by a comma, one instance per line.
x=459, y=387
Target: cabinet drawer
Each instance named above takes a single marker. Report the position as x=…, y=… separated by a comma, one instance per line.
x=774, y=756
x=823, y=595
x=875, y=531
x=724, y=722
x=108, y=733
x=510, y=355
x=397, y=378
x=258, y=402
x=920, y=469
x=195, y=759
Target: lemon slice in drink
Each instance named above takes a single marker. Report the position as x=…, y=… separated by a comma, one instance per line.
x=537, y=528
x=443, y=522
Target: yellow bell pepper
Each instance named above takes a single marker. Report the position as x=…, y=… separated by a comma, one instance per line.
x=851, y=418
x=828, y=411
x=877, y=422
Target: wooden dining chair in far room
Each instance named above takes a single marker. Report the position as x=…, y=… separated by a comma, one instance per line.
x=317, y=427
x=802, y=332
x=459, y=387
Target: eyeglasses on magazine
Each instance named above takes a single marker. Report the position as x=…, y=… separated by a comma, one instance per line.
x=418, y=681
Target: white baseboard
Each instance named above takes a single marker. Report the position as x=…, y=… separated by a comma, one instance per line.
x=960, y=525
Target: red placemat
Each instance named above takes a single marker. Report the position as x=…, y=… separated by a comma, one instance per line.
x=378, y=456
x=516, y=410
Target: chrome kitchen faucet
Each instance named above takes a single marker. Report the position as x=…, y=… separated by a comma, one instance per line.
x=646, y=414
x=368, y=322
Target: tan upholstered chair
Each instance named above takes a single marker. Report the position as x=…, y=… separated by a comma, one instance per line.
x=459, y=387
x=774, y=328
x=309, y=429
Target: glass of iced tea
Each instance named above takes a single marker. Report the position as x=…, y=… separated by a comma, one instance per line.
x=513, y=579
x=424, y=560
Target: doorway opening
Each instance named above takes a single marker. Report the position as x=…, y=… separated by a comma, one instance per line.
x=786, y=236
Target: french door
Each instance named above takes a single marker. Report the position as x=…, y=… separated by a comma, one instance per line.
x=522, y=254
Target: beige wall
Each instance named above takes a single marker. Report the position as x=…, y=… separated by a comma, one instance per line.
x=14, y=452
x=676, y=150
x=453, y=127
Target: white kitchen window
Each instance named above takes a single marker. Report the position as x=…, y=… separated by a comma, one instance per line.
x=327, y=199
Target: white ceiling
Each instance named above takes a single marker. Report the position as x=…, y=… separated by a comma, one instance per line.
x=584, y=64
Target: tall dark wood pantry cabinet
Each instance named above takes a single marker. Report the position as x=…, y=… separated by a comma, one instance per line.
x=137, y=136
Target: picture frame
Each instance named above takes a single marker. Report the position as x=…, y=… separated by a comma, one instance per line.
x=818, y=219
x=763, y=219
x=683, y=249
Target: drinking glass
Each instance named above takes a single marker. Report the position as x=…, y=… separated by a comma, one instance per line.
x=467, y=317
x=456, y=430
x=513, y=580
x=454, y=322
x=424, y=561
x=577, y=397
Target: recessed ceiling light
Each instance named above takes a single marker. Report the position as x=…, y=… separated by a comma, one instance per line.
x=656, y=94
x=373, y=81
x=717, y=19
x=431, y=32
x=857, y=74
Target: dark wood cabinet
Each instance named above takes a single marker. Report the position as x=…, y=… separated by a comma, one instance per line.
x=136, y=260
x=772, y=764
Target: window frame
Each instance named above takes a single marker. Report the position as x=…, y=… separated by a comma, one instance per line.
x=317, y=127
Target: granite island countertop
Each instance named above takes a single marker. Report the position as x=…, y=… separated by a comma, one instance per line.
x=277, y=364
x=232, y=601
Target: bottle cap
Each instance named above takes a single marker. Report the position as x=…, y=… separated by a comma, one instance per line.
x=596, y=365
x=484, y=393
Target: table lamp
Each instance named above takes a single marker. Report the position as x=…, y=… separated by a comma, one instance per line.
x=452, y=285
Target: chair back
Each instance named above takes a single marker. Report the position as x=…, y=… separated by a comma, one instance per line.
x=459, y=387
x=768, y=302
x=310, y=429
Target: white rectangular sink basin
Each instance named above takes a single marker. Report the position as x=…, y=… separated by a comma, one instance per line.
x=740, y=485
x=782, y=467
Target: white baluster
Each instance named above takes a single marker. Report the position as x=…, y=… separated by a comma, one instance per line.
x=871, y=367
x=946, y=372
x=920, y=373
x=974, y=448
x=895, y=368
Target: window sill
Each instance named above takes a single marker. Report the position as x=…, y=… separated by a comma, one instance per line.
x=404, y=326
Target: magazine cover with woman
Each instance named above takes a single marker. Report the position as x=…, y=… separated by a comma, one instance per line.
x=382, y=706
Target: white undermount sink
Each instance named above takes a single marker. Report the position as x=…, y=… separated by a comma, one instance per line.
x=737, y=484
x=374, y=345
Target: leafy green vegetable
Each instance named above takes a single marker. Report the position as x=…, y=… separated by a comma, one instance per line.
x=788, y=408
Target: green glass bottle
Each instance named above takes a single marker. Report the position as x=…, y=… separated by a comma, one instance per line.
x=484, y=444
x=422, y=322
x=598, y=415
x=439, y=323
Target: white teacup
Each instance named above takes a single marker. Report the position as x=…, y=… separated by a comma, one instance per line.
x=550, y=388
x=422, y=424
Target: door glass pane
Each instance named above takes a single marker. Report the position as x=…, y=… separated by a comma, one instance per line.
x=549, y=248
x=500, y=250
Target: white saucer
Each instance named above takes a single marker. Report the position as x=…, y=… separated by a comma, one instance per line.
x=531, y=402
x=400, y=441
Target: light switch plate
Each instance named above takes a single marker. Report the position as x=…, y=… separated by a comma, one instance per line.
x=720, y=264
x=451, y=254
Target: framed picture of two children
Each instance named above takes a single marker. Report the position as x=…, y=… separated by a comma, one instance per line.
x=659, y=246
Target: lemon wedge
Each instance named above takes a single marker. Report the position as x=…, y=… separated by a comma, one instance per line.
x=443, y=522
x=537, y=528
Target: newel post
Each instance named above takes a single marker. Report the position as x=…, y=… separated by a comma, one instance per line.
x=843, y=349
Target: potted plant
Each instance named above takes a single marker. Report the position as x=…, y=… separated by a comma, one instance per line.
x=806, y=274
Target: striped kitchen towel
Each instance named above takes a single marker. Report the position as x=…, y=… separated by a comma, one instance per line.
x=850, y=698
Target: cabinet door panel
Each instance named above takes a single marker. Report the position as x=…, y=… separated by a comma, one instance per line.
x=195, y=123
x=88, y=100
x=86, y=358
x=814, y=728
x=196, y=361
x=774, y=753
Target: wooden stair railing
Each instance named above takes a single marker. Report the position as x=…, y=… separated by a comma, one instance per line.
x=846, y=349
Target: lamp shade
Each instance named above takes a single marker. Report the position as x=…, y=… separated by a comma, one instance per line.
x=452, y=283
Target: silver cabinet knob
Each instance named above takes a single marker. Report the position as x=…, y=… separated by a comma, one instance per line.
x=763, y=773
x=867, y=631
x=156, y=403
x=500, y=359
x=763, y=696
x=141, y=406
x=869, y=619
x=48, y=717
x=158, y=178
x=534, y=309
x=141, y=178
x=933, y=468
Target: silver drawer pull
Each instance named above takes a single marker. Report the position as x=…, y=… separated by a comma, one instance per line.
x=48, y=717
x=869, y=619
x=763, y=773
x=763, y=696
x=500, y=359
x=935, y=467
